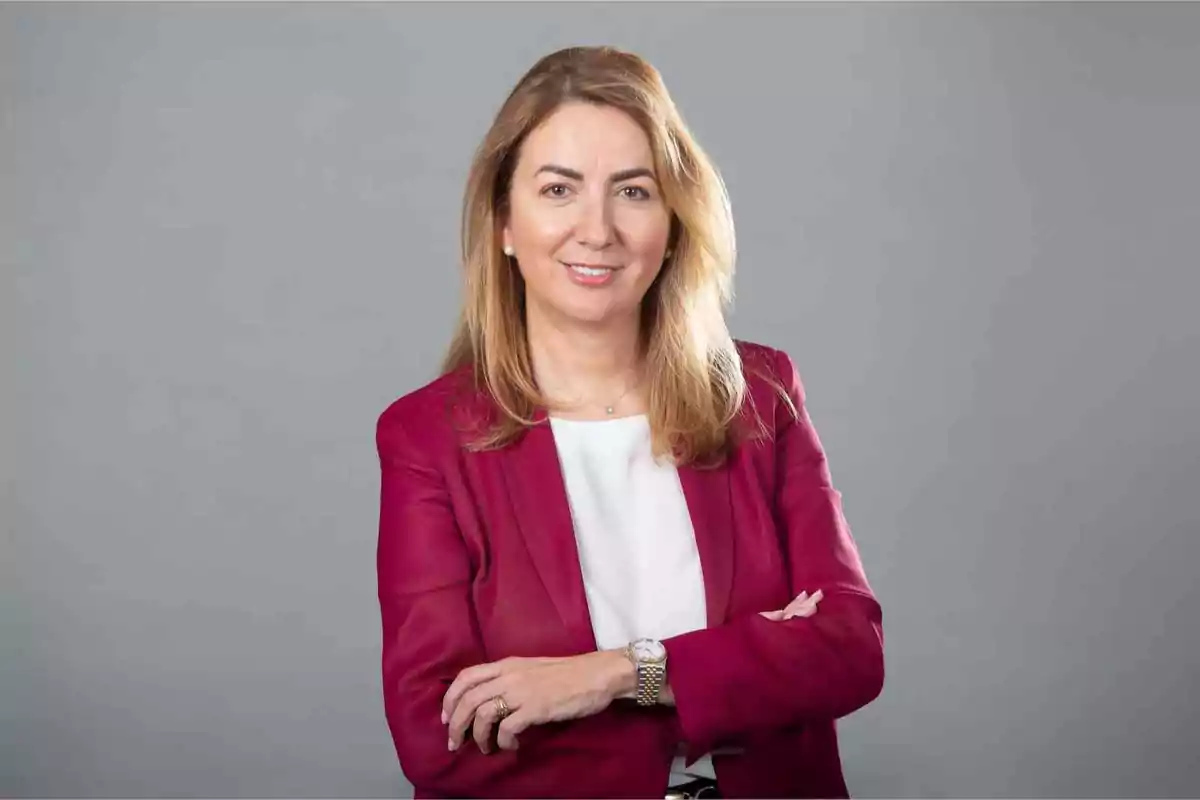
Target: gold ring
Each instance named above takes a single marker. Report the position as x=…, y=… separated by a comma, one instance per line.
x=502, y=709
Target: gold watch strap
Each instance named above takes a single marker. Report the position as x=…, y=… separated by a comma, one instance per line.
x=650, y=679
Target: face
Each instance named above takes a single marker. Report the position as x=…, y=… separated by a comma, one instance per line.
x=586, y=220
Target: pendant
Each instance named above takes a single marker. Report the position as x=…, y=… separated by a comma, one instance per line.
x=608, y=410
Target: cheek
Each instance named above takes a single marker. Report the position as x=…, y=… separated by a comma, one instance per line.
x=648, y=237
x=539, y=231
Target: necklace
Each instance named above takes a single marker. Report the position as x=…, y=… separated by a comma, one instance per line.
x=609, y=409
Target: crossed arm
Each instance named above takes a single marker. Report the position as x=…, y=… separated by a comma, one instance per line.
x=540, y=690
x=754, y=673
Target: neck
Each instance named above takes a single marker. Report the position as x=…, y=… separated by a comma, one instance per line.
x=584, y=366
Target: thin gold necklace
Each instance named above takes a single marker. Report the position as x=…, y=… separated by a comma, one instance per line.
x=609, y=409
x=612, y=407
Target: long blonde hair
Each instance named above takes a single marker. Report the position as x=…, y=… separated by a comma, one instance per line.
x=694, y=372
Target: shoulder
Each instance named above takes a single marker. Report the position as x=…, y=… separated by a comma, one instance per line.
x=774, y=399
x=769, y=371
x=426, y=418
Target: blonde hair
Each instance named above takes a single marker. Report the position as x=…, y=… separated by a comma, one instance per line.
x=694, y=372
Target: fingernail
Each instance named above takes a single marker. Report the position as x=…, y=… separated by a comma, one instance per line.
x=450, y=744
x=444, y=720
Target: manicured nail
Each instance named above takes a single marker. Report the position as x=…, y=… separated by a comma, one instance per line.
x=450, y=744
x=444, y=720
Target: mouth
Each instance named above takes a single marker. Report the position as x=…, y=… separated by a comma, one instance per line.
x=592, y=276
x=590, y=270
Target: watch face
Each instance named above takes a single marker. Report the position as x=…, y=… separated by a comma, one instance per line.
x=649, y=650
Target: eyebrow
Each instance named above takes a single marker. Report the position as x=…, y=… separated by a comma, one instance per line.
x=616, y=177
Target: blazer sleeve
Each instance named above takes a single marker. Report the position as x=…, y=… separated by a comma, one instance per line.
x=752, y=675
x=429, y=627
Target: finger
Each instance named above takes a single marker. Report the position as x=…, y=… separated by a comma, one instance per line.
x=793, y=608
x=468, y=706
x=466, y=680
x=798, y=599
x=804, y=599
x=797, y=605
x=485, y=717
x=805, y=609
x=774, y=616
x=511, y=726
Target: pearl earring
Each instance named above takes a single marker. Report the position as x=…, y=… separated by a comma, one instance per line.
x=508, y=251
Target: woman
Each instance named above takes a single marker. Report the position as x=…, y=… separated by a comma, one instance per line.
x=606, y=529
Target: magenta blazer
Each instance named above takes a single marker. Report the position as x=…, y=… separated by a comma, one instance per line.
x=477, y=561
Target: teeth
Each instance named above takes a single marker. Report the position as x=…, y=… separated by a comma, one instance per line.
x=589, y=271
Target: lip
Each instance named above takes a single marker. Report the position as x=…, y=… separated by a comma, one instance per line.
x=588, y=265
x=592, y=281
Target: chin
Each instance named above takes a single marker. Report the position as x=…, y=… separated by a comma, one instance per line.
x=583, y=310
x=589, y=317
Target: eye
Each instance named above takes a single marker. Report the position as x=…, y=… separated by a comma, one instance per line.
x=635, y=192
x=556, y=190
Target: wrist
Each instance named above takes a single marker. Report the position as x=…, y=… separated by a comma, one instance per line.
x=620, y=674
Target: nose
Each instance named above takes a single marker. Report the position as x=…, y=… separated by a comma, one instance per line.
x=594, y=228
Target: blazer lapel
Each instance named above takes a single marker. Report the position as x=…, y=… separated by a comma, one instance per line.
x=707, y=493
x=539, y=497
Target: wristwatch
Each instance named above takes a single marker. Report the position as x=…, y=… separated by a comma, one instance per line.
x=649, y=658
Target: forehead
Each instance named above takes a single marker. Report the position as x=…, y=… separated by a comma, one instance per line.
x=587, y=137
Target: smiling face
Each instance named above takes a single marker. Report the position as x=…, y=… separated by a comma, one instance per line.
x=586, y=220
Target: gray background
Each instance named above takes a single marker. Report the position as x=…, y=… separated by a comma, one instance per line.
x=229, y=241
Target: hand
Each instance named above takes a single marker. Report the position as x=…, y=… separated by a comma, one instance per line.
x=802, y=606
x=535, y=690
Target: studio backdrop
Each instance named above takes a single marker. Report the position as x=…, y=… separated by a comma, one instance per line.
x=228, y=239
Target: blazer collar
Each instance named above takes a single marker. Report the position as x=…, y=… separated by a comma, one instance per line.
x=708, y=497
x=539, y=498
x=538, y=493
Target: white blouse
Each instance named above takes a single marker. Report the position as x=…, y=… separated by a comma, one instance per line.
x=637, y=549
